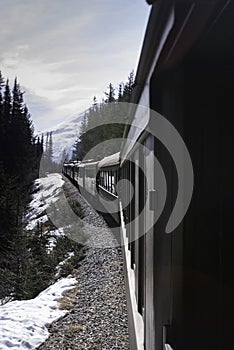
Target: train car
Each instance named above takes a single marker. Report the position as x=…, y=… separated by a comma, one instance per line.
x=87, y=179
x=71, y=170
x=65, y=169
x=76, y=169
x=81, y=176
x=181, y=284
x=108, y=178
x=96, y=181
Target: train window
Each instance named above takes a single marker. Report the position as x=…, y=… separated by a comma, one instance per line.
x=115, y=181
x=101, y=178
x=105, y=180
x=110, y=181
x=110, y=177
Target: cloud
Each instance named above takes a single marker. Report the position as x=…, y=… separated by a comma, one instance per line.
x=65, y=52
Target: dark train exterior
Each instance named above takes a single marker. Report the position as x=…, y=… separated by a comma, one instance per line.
x=180, y=285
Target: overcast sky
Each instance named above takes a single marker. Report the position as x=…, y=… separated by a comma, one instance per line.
x=66, y=51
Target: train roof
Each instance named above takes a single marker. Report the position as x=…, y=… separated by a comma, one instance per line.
x=174, y=27
x=88, y=163
x=72, y=164
x=113, y=159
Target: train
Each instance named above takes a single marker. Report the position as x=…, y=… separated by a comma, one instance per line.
x=97, y=181
x=179, y=282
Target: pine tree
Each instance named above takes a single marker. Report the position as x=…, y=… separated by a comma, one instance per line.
x=6, y=118
x=1, y=95
x=2, y=126
x=50, y=148
x=120, y=92
x=47, y=164
x=128, y=87
x=94, y=102
x=7, y=103
x=64, y=157
x=42, y=143
x=17, y=106
x=46, y=144
x=110, y=94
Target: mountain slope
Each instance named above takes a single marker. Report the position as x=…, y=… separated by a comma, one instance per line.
x=65, y=135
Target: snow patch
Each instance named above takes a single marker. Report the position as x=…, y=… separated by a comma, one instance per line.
x=46, y=191
x=52, y=238
x=23, y=324
x=58, y=267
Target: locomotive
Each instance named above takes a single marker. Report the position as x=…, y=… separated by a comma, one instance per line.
x=180, y=284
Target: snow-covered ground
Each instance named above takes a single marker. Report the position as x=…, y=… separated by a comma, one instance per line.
x=46, y=192
x=23, y=324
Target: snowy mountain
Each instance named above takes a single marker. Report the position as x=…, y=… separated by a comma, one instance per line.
x=65, y=135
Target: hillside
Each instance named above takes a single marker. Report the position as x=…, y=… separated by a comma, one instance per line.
x=95, y=306
x=64, y=136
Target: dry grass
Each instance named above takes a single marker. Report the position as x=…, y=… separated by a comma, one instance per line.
x=69, y=299
x=77, y=328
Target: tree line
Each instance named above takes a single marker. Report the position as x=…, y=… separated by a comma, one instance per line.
x=101, y=123
x=26, y=265
x=20, y=154
x=47, y=164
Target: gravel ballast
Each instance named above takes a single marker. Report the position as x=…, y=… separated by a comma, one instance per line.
x=97, y=319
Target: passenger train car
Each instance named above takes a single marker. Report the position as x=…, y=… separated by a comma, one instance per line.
x=95, y=178
x=180, y=284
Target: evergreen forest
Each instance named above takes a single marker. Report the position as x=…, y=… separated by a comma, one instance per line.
x=26, y=267
x=102, y=122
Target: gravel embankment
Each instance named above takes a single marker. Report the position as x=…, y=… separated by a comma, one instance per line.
x=98, y=317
